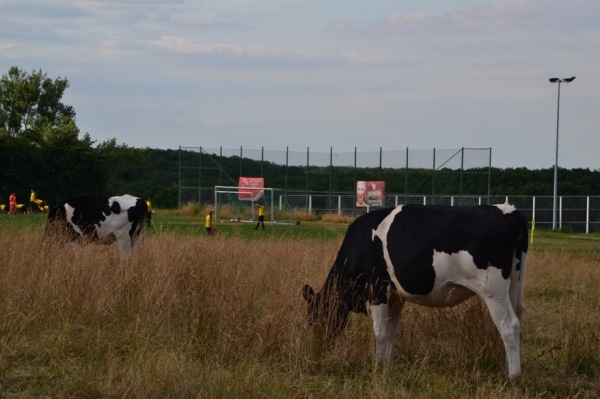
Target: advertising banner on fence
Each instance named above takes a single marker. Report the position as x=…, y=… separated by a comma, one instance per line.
x=370, y=193
x=251, y=188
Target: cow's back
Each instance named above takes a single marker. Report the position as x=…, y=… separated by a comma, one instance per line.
x=424, y=244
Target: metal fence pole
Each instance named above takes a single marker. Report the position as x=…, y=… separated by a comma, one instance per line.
x=354, y=182
x=241, y=155
x=307, y=168
x=560, y=208
x=406, y=179
x=489, y=175
x=433, y=180
x=330, y=175
x=179, y=200
x=220, y=166
x=462, y=169
x=287, y=154
x=380, y=162
x=587, y=215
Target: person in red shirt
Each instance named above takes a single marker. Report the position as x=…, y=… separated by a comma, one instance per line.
x=12, y=204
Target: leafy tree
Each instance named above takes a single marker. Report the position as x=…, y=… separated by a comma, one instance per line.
x=31, y=107
x=39, y=139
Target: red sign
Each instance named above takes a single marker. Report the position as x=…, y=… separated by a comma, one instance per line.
x=370, y=193
x=251, y=188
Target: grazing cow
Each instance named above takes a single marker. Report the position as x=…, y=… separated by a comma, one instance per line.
x=101, y=219
x=429, y=255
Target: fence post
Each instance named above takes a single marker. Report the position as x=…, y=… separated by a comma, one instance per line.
x=489, y=176
x=307, y=168
x=179, y=201
x=406, y=179
x=287, y=154
x=216, y=208
x=380, y=162
x=560, y=201
x=462, y=169
x=339, y=204
x=220, y=165
x=433, y=180
x=354, y=185
x=330, y=175
x=587, y=215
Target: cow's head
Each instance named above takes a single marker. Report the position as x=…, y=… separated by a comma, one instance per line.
x=327, y=312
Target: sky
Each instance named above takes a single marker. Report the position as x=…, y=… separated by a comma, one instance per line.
x=297, y=74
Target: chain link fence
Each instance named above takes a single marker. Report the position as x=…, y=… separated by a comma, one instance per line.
x=324, y=182
x=464, y=171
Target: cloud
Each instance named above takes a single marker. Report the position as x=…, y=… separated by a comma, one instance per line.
x=496, y=17
x=181, y=45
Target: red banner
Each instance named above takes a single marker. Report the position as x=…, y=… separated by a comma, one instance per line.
x=251, y=188
x=370, y=193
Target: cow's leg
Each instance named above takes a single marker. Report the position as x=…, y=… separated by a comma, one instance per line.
x=386, y=318
x=125, y=244
x=517, y=285
x=508, y=325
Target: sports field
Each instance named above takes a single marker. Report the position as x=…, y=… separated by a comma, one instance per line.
x=222, y=316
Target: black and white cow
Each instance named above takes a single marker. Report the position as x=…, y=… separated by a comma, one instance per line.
x=429, y=255
x=100, y=219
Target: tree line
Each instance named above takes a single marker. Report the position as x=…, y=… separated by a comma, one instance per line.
x=42, y=148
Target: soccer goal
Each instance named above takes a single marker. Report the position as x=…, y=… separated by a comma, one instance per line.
x=239, y=204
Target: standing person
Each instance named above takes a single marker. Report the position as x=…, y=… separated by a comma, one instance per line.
x=32, y=202
x=261, y=215
x=12, y=204
x=208, y=223
x=148, y=212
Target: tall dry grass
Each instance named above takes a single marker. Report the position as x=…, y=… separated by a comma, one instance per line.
x=224, y=317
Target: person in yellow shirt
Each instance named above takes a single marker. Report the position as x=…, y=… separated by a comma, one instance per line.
x=261, y=216
x=32, y=202
x=148, y=212
x=208, y=223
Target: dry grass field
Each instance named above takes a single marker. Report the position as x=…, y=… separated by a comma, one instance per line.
x=223, y=317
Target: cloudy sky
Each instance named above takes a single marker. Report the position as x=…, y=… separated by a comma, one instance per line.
x=420, y=74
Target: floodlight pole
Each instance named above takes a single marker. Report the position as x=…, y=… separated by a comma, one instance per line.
x=555, y=194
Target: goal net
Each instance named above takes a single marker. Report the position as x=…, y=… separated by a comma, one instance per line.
x=239, y=204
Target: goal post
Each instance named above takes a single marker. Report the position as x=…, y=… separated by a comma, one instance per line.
x=239, y=203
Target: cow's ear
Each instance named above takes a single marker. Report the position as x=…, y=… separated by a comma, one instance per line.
x=308, y=293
